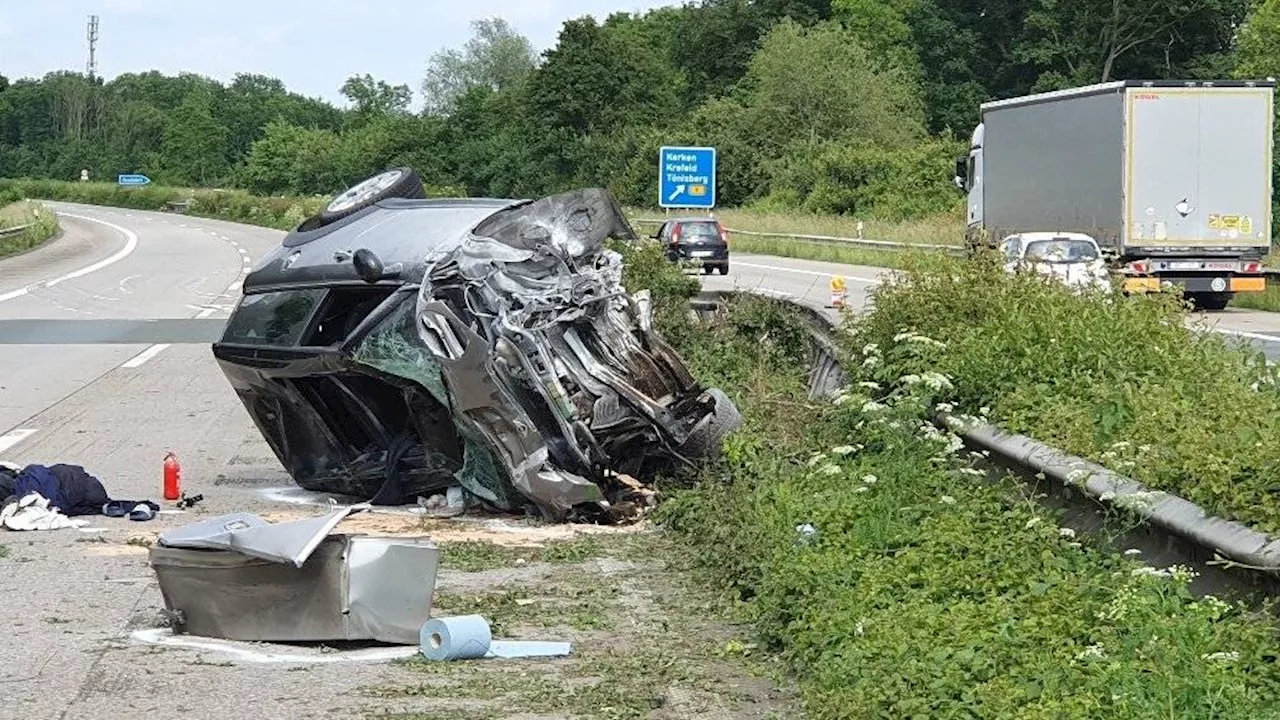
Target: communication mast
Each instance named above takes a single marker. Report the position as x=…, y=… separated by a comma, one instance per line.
x=92, y=67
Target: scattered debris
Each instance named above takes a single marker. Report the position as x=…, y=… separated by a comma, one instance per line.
x=33, y=512
x=241, y=578
x=468, y=637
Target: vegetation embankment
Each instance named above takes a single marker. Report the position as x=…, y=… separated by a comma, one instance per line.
x=891, y=577
x=14, y=212
x=1115, y=379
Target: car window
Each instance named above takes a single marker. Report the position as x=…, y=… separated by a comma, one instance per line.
x=703, y=229
x=277, y=318
x=1011, y=248
x=1061, y=250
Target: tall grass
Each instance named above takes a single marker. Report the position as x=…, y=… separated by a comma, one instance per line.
x=44, y=225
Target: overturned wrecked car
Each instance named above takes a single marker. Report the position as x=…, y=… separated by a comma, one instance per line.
x=394, y=345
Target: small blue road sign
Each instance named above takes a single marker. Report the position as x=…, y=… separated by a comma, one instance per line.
x=687, y=177
x=133, y=180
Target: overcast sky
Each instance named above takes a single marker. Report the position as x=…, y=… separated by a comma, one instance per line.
x=312, y=45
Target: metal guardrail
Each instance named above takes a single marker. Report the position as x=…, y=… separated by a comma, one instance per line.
x=15, y=230
x=887, y=244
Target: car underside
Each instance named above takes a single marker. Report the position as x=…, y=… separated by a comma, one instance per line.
x=399, y=346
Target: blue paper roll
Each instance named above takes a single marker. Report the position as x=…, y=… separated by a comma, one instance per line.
x=462, y=637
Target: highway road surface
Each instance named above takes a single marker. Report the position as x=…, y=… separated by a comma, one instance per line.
x=72, y=599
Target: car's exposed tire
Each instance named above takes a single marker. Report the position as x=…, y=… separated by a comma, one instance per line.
x=393, y=183
x=706, y=269
x=724, y=269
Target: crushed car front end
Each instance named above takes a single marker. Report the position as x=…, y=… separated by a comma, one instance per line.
x=416, y=344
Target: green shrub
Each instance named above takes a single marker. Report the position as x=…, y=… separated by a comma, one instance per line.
x=1115, y=379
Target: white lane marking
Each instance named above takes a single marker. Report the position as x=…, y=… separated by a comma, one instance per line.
x=13, y=437
x=1243, y=333
x=144, y=356
x=131, y=243
x=868, y=281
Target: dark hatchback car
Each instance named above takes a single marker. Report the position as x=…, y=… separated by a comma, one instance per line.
x=700, y=240
x=393, y=346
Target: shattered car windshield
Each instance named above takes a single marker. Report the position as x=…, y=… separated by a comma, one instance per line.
x=277, y=318
x=1061, y=251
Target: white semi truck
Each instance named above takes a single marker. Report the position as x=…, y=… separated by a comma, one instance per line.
x=1173, y=179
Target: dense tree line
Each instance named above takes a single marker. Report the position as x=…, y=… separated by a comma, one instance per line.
x=830, y=105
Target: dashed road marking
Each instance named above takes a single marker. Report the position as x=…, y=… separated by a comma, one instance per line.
x=144, y=356
x=13, y=437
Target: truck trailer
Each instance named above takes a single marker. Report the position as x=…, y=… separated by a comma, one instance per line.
x=1172, y=178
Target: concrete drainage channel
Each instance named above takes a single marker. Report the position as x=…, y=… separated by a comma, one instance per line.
x=1227, y=555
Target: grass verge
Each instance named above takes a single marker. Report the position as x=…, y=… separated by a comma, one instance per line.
x=894, y=581
x=645, y=643
x=44, y=225
x=1267, y=300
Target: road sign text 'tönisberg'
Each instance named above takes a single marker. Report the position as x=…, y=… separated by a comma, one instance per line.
x=687, y=177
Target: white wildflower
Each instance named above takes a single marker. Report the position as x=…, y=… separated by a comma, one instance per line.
x=954, y=444
x=869, y=385
x=873, y=406
x=861, y=489
x=859, y=629
x=1120, y=445
x=830, y=469
x=1145, y=571
x=871, y=349
x=844, y=450
x=947, y=500
x=1032, y=523
x=1074, y=545
x=1093, y=652
x=945, y=407
x=1132, y=552
x=1066, y=532
x=817, y=458
x=1232, y=656
x=972, y=471
x=870, y=479
x=1107, y=496
x=903, y=335
x=840, y=399
x=984, y=411
x=1144, y=448
x=922, y=340
x=870, y=362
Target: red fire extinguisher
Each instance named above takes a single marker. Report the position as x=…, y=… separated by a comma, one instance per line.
x=172, y=477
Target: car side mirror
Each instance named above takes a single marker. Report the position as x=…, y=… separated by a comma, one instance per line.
x=369, y=266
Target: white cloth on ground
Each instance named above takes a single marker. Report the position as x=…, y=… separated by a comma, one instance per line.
x=32, y=512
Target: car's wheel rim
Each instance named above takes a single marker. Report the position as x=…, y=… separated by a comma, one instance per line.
x=365, y=190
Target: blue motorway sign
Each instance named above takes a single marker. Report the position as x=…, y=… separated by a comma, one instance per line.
x=133, y=180
x=687, y=177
